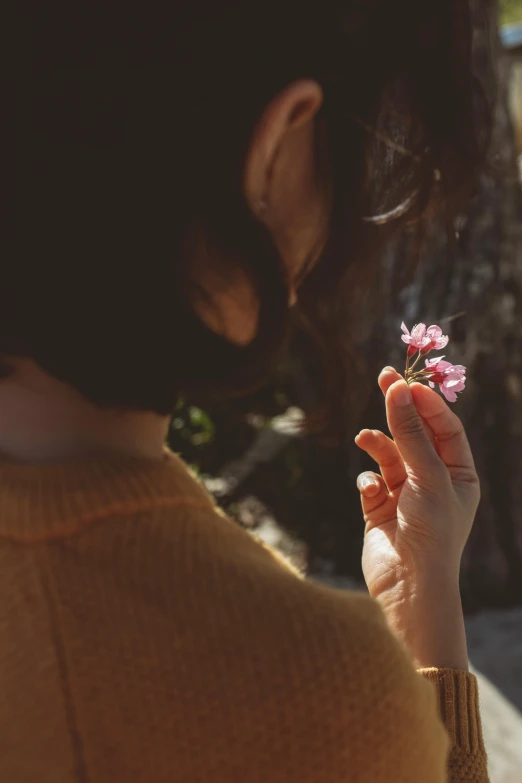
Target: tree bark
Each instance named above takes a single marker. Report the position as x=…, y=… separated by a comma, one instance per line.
x=480, y=279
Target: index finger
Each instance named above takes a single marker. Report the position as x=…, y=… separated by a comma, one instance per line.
x=387, y=377
x=452, y=441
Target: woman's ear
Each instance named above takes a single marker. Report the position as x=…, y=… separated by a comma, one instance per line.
x=294, y=107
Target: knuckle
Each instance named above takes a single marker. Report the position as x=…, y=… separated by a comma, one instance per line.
x=387, y=461
x=377, y=505
x=450, y=418
x=393, y=486
x=466, y=477
x=410, y=427
x=456, y=430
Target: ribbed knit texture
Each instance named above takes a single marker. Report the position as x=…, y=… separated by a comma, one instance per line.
x=145, y=638
x=459, y=709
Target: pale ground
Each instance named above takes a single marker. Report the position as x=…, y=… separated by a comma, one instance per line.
x=495, y=651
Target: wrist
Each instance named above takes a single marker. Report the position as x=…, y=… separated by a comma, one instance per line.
x=404, y=589
x=426, y=616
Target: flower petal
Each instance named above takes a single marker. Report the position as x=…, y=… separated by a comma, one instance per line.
x=418, y=332
x=404, y=328
x=433, y=362
x=449, y=394
x=455, y=385
x=441, y=342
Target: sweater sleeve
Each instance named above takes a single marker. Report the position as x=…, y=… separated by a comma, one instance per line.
x=457, y=693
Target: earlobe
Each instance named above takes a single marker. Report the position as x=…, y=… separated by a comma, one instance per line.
x=261, y=208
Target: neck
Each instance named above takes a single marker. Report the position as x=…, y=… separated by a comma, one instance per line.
x=44, y=420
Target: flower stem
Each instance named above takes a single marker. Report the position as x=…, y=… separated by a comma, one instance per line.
x=409, y=374
x=416, y=361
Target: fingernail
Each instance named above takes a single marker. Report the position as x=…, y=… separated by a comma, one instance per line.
x=403, y=395
x=388, y=369
x=368, y=481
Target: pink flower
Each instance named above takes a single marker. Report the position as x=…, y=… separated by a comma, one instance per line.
x=424, y=339
x=437, y=339
x=450, y=377
x=417, y=340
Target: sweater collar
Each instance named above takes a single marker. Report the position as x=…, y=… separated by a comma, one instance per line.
x=45, y=501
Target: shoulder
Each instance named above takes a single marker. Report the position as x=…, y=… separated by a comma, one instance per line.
x=346, y=632
x=333, y=686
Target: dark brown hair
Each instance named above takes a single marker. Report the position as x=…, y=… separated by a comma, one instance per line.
x=133, y=129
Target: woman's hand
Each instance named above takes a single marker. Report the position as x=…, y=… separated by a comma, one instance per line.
x=419, y=512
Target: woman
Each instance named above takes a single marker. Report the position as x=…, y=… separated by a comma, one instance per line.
x=185, y=175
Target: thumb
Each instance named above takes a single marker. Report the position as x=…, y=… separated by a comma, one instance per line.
x=408, y=431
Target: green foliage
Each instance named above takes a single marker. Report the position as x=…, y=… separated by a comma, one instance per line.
x=510, y=11
x=191, y=425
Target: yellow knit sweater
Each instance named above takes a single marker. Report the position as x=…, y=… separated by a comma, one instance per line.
x=144, y=638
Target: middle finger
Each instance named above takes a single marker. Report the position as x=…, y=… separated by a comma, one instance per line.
x=385, y=452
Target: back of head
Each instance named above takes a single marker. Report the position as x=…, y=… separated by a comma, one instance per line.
x=134, y=125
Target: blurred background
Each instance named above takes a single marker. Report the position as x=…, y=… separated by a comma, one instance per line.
x=298, y=492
